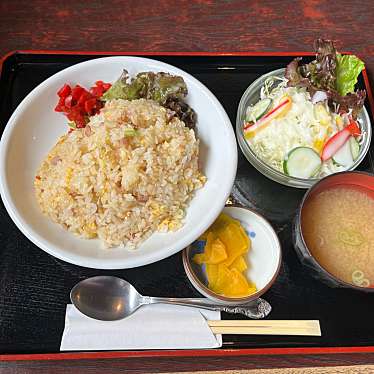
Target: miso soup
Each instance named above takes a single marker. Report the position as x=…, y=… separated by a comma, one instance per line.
x=338, y=228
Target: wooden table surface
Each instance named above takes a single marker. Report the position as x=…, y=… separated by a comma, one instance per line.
x=200, y=25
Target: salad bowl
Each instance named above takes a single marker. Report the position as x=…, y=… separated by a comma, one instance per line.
x=250, y=97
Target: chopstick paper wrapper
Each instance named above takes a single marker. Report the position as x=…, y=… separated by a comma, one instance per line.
x=156, y=326
x=161, y=326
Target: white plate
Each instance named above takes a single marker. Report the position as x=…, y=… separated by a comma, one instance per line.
x=34, y=128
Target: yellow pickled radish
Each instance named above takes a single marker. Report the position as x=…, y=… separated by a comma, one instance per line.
x=219, y=224
x=217, y=252
x=226, y=244
x=222, y=221
x=212, y=274
x=245, y=237
x=238, y=285
x=239, y=264
x=234, y=242
x=223, y=279
x=201, y=258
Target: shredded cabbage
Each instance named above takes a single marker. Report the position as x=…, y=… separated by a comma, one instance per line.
x=304, y=125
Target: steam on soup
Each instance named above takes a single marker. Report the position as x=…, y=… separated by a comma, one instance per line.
x=338, y=228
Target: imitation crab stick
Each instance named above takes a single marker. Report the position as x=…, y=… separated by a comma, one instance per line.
x=250, y=130
x=339, y=139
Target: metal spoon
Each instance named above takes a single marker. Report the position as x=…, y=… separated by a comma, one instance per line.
x=110, y=298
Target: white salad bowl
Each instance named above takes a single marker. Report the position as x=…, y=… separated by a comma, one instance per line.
x=252, y=96
x=35, y=127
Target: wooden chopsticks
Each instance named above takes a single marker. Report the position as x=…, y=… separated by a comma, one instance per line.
x=266, y=327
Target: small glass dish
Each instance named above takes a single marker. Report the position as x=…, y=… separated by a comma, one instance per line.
x=250, y=97
x=349, y=179
x=263, y=259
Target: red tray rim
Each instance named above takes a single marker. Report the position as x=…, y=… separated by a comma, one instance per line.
x=194, y=352
x=186, y=353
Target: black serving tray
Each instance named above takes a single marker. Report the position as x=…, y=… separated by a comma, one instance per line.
x=34, y=286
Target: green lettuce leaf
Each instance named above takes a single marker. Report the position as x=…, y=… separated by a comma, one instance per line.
x=115, y=92
x=166, y=89
x=122, y=89
x=348, y=69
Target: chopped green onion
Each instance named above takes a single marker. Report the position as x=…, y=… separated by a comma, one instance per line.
x=365, y=283
x=129, y=132
x=357, y=275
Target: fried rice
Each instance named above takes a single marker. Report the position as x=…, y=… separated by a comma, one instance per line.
x=130, y=172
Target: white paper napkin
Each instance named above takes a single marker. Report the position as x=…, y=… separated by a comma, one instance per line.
x=156, y=326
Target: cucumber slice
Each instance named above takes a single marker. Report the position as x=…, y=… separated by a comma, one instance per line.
x=258, y=110
x=343, y=157
x=302, y=162
x=355, y=147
